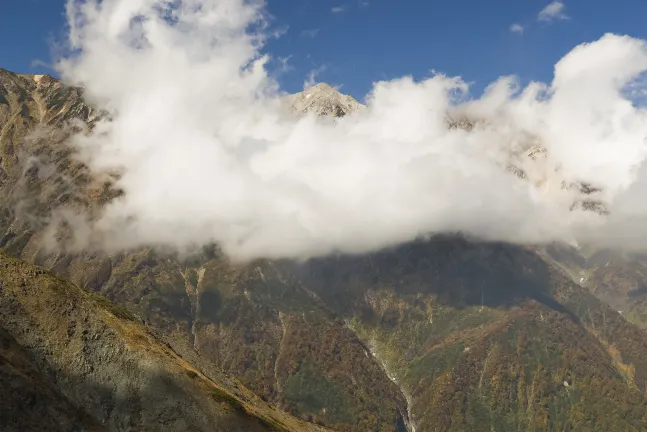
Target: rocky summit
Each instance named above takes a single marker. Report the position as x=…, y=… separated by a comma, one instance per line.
x=323, y=100
x=443, y=334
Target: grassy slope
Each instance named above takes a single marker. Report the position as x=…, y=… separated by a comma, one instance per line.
x=91, y=346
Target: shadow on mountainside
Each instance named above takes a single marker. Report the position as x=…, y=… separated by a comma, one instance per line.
x=459, y=272
x=29, y=401
x=38, y=395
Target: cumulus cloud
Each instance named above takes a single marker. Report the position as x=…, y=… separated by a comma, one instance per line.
x=207, y=152
x=554, y=11
x=517, y=28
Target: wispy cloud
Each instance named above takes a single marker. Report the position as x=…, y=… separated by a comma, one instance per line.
x=311, y=78
x=554, y=11
x=284, y=65
x=310, y=33
x=517, y=28
x=338, y=9
x=280, y=31
x=41, y=64
x=363, y=3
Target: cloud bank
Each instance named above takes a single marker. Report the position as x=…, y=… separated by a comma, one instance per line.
x=208, y=153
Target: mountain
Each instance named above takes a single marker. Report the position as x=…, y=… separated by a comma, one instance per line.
x=271, y=333
x=529, y=160
x=323, y=100
x=445, y=334
x=71, y=360
x=618, y=279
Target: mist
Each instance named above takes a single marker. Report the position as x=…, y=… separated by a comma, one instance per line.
x=208, y=153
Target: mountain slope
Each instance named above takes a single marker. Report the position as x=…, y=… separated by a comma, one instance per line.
x=436, y=335
x=107, y=364
x=618, y=279
x=489, y=337
x=28, y=401
x=270, y=333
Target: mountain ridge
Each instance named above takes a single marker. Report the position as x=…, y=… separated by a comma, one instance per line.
x=434, y=335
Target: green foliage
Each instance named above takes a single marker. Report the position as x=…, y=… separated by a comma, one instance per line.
x=314, y=393
x=271, y=424
x=221, y=396
x=435, y=363
x=15, y=246
x=636, y=318
x=210, y=303
x=115, y=309
x=191, y=374
x=192, y=276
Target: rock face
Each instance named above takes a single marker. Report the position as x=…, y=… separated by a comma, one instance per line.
x=323, y=100
x=29, y=400
x=436, y=335
x=530, y=162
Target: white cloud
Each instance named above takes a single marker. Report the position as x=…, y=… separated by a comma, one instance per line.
x=363, y=3
x=284, y=64
x=338, y=9
x=517, y=28
x=311, y=78
x=279, y=31
x=554, y=11
x=208, y=154
x=310, y=33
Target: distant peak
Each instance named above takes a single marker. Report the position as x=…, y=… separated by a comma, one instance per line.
x=320, y=87
x=323, y=86
x=323, y=99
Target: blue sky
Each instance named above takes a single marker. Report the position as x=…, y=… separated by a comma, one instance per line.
x=356, y=42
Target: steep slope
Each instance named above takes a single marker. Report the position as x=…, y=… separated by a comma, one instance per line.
x=271, y=333
x=489, y=337
x=104, y=362
x=444, y=334
x=28, y=401
x=618, y=279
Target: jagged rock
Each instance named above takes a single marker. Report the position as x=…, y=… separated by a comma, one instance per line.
x=323, y=100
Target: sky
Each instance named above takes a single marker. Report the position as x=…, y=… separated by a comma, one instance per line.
x=353, y=43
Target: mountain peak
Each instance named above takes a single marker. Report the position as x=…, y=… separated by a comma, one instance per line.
x=323, y=99
x=322, y=86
